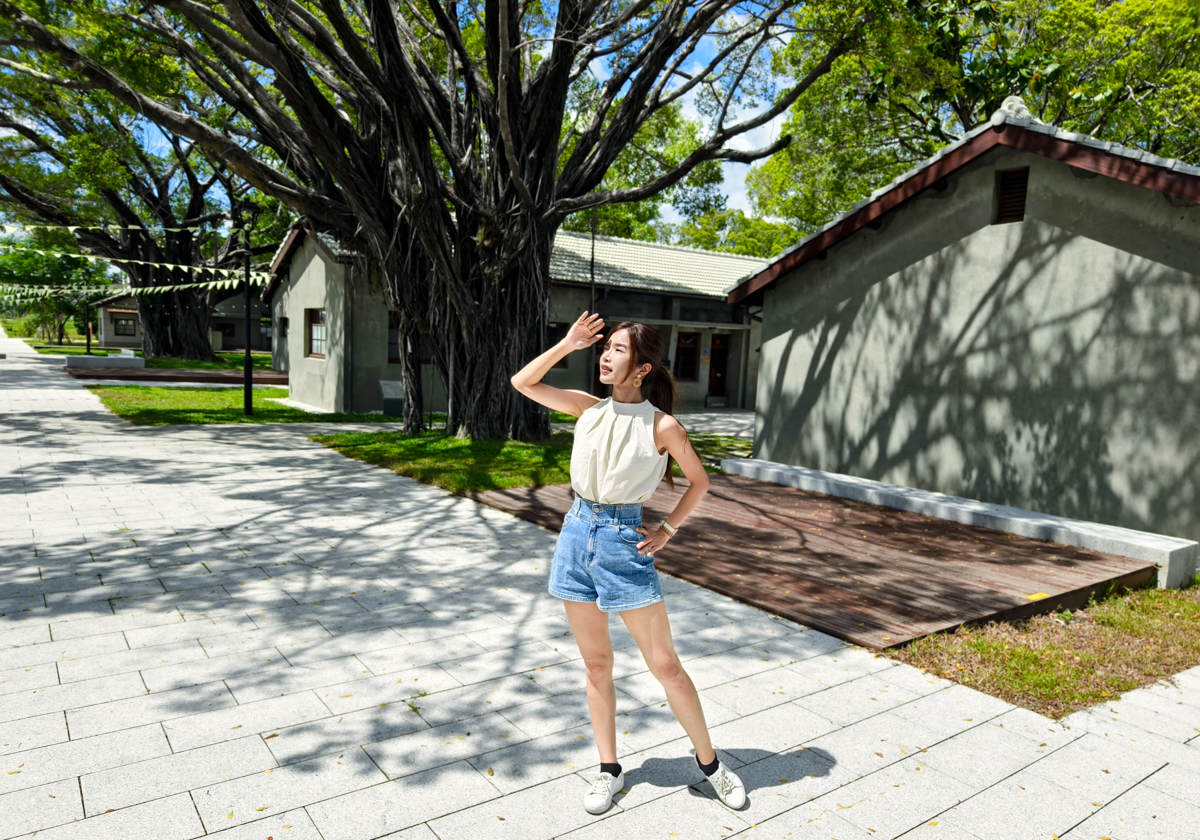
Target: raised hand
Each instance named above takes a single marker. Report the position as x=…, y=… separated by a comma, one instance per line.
x=584, y=332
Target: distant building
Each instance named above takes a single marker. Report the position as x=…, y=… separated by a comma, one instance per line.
x=120, y=325
x=118, y=322
x=339, y=344
x=1016, y=320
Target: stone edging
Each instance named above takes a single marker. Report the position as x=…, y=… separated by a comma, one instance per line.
x=1176, y=558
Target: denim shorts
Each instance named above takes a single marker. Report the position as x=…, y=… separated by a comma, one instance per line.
x=596, y=558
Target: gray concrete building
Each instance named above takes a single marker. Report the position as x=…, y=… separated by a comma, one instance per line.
x=339, y=342
x=1016, y=320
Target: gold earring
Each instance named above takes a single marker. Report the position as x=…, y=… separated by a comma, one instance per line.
x=637, y=382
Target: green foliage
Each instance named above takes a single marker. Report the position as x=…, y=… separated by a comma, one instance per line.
x=50, y=316
x=734, y=232
x=151, y=406
x=661, y=143
x=1123, y=71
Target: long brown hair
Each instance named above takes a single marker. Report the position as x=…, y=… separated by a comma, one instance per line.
x=646, y=347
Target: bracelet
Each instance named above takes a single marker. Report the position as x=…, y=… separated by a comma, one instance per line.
x=666, y=527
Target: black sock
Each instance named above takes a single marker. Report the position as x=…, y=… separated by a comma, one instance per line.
x=612, y=769
x=709, y=769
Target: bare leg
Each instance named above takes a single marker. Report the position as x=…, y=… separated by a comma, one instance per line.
x=589, y=625
x=652, y=632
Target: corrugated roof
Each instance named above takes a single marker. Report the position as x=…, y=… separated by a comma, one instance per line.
x=1012, y=112
x=649, y=266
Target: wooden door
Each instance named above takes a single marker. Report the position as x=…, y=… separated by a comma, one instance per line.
x=718, y=360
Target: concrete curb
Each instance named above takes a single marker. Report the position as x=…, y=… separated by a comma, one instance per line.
x=1176, y=558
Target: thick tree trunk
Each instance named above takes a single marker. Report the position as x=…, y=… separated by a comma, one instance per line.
x=484, y=342
x=191, y=318
x=174, y=324
x=414, y=397
x=155, y=317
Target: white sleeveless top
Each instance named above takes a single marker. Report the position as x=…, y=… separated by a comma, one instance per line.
x=614, y=460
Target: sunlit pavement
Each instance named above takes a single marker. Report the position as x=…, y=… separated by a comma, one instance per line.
x=233, y=630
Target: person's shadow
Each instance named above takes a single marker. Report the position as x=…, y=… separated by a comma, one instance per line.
x=759, y=769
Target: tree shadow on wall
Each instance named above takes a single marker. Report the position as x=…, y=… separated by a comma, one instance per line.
x=1043, y=386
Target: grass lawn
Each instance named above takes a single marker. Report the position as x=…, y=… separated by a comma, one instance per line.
x=260, y=361
x=1061, y=663
x=156, y=406
x=227, y=361
x=460, y=466
x=68, y=350
x=463, y=466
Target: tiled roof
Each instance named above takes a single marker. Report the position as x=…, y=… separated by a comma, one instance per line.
x=334, y=245
x=624, y=263
x=632, y=264
x=1013, y=112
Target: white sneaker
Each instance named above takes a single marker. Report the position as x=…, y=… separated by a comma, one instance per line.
x=728, y=786
x=600, y=797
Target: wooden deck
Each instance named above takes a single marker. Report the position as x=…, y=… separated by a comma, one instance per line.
x=228, y=376
x=874, y=576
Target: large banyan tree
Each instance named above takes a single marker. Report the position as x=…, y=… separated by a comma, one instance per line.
x=448, y=141
x=150, y=200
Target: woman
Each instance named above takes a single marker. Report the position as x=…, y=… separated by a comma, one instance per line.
x=604, y=558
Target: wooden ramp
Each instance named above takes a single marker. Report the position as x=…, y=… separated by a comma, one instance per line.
x=871, y=575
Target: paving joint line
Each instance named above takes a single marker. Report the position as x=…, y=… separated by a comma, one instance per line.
x=1114, y=799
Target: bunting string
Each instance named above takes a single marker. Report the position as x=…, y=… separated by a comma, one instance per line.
x=9, y=227
x=256, y=277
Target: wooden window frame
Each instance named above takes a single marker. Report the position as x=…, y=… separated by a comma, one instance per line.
x=117, y=324
x=309, y=318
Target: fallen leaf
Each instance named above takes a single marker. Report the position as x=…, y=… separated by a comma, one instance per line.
x=491, y=772
x=269, y=737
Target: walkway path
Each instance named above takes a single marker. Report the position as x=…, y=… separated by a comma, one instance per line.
x=233, y=631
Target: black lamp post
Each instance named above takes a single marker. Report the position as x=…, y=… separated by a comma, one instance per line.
x=247, y=362
x=252, y=210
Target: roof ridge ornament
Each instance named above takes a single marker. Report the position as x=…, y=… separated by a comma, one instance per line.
x=1014, y=110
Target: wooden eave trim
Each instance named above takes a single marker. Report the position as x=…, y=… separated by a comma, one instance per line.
x=285, y=253
x=1180, y=185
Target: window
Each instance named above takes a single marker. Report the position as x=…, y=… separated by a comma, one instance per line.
x=556, y=332
x=283, y=325
x=393, y=338
x=687, y=355
x=317, y=338
x=124, y=326
x=1011, y=187
x=226, y=330
x=264, y=326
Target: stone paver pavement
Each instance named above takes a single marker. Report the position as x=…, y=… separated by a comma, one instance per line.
x=233, y=631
